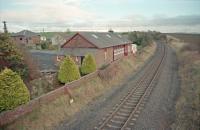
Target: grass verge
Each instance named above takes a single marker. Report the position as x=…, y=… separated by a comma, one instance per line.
x=188, y=103
x=49, y=115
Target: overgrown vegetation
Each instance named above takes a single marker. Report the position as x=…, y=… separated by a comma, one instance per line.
x=68, y=71
x=46, y=45
x=13, y=91
x=32, y=66
x=10, y=56
x=188, y=103
x=88, y=65
x=143, y=39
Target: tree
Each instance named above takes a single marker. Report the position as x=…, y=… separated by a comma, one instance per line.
x=88, y=65
x=132, y=36
x=13, y=91
x=11, y=57
x=31, y=64
x=68, y=71
x=44, y=45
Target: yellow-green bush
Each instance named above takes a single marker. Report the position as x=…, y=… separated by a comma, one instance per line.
x=68, y=71
x=13, y=91
x=88, y=65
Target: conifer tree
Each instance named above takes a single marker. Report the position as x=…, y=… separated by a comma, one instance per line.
x=13, y=91
x=88, y=65
x=68, y=71
x=11, y=57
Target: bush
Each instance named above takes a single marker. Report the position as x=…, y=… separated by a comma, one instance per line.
x=145, y=38
x=13, y=91
x=88, y=65
x=44, y=45
x=68, y=71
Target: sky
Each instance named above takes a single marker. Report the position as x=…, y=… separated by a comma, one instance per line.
x=101, y=15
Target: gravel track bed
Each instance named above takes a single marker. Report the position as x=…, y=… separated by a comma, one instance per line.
x=159, y=112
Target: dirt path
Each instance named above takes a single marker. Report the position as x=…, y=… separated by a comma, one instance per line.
x=157, y=114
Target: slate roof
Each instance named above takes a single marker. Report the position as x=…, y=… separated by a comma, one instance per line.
x=105, y=39
x=64, y=35
x=44, y=59
x=25, y=33
x=60, y=38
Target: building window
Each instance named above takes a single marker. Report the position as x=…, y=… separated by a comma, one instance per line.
x=82, y=57
x=118, y=51
x=59, y=58
x=20, y=38
x=108, y=36
x=95, y=36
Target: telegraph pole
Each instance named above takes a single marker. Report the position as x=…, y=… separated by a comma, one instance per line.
x=5, y=27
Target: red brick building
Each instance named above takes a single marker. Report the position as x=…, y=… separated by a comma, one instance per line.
x=26, y=37
x=104, y=46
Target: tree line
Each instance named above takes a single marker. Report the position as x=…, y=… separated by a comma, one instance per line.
x=144, y=38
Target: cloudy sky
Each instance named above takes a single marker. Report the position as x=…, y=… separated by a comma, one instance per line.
x=100, y=15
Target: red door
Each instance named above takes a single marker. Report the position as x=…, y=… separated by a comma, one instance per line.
x=125, y=50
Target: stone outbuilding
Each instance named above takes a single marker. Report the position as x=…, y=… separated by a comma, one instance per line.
x=26, y=37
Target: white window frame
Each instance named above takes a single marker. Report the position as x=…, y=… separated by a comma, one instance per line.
x=118, y=51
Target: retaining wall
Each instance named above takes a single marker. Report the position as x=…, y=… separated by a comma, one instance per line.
x=11, y=115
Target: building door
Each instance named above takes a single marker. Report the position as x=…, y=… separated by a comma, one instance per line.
x=125, y=50
x=82, y=57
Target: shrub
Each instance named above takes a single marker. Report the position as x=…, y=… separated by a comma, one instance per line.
x=88, y=65
x=68, y=71
x=13, y=91
x=44, y=45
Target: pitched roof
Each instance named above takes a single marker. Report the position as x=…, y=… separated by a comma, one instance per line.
x=25, y=33
x=44, y=59
x=104, y=39
x=63, y=36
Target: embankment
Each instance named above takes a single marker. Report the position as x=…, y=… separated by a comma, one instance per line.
x=46, y=116
x=188, y=103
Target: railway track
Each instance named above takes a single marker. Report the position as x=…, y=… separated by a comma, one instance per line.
x=124, y=114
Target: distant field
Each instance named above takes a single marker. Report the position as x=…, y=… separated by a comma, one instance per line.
x=190, y=38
